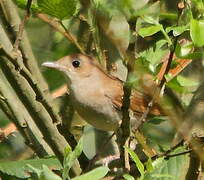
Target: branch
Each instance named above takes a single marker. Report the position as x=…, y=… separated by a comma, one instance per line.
x=13, y=21
x=59, y=26
x=21, y=26
x=27, y=91
x=18, y=113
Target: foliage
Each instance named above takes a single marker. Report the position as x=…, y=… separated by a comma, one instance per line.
x=96, y=174
x=145, y=34
x=20, y=168
x=58, y=8
x=70, y=158
x=161, y=168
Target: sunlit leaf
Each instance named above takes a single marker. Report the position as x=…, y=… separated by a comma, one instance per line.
x=183, y=50
x=177, y=30
x=194, y=55
x=184, y=81
x=157, y=119
x=95, y=174
x=44, y=173
x=172, y=168
x=148, y=31
x=20, y=169
x=149, y=9
x=47, y=174
x=149, y=165
x=176, y=86
x=196, y=32
x=150, y=19
x=70, y=157
x=61, y=9
x=23, y=3
x=129, y=7
x=154, y=54
x=128, y=177
x=137, y=161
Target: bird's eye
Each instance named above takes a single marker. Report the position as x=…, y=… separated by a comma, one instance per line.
x=76, y=63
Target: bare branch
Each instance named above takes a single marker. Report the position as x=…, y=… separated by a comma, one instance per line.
x=21, y=26
x=13, y=20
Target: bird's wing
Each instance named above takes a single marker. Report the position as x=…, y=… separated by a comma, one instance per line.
x=116, y=95
x=139, y=103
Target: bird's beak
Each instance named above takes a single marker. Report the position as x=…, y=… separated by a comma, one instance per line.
x=54, y=65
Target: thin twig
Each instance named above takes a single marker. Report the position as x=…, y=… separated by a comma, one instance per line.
x=169, y=151
x=21, y=26
x=12, y=19
x=178, y=154
x=59, y=26
x=168, y=66
x=72, y=38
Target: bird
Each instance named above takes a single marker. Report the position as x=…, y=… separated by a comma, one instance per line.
x=96, y=95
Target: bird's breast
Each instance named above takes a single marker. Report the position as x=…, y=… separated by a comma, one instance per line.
x=98, y=112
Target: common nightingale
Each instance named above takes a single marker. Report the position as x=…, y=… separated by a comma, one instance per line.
x=96, y=95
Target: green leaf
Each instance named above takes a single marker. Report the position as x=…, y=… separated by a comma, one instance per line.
x=95, y=174
x=168, y=15
x=186, y=82
x=151, y=19
x=70, y=157
x=148, y=31
x=47, y=174
x=132, y=80
x=177, y=30
x=183, y=50
x=34, y=170
x=137, y=161
x=173, y=168
x=23, y=3
x=173, y=84
x=197, y=32
x=157, y=119
x=149, y=9
x=21, y=170
x=198, y=6
x=61, y=9
x=129, y=7
x=194, y=55
x=128, y=177
x=154, y=54
x=43, y=174
x=149, y=165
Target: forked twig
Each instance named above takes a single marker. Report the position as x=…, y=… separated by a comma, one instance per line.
x=21, y=26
